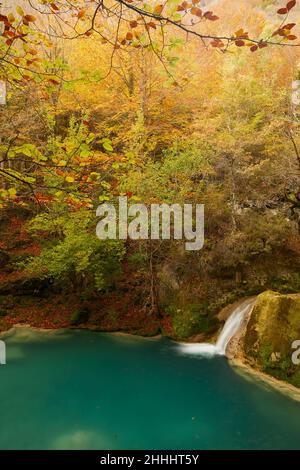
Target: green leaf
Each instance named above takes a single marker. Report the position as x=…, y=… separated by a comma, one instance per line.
x=103, y=197
x=107, y=146
x=20, y=10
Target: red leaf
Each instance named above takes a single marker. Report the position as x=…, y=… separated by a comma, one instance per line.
x=253, y=48
x=9, y=34
x=292, y=37
x=30, y=18
x=133, y=24
x=129, y=194
x=282, y=11
x=291, y=4
x=289, y=26
x=53, y=81
x=129, y=36
x=151, y=25
x=210, y=16
x=217, y=43
x=261, y=45
x=239, y=43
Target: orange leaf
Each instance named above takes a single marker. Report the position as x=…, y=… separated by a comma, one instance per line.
x=158, y=9
x=196, y=11
x=292, y=37
x=129, y=36
x=11, y=18
x=241, y=34
x=81, y=14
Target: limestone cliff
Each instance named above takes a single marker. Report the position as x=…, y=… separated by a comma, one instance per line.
x=273, y=327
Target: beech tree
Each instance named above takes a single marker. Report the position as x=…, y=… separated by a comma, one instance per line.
x=127, y=34
x=122, y=24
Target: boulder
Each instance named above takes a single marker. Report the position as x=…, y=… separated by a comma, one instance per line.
x=273, y=327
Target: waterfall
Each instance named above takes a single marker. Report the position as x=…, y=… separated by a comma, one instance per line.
x=230, y=329
x=232, y=326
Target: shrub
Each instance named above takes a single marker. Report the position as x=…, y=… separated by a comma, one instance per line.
x=80, y=316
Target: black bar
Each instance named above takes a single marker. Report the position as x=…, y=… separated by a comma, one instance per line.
x=142, y=459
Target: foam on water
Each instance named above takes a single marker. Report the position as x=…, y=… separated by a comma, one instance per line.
x=230, y=329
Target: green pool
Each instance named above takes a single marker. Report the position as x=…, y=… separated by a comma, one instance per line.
x=84, y=390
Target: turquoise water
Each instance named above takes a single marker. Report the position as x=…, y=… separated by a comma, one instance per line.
x=83, y=390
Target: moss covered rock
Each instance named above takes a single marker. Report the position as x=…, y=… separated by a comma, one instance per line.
x=190, y=320
x=273, y=327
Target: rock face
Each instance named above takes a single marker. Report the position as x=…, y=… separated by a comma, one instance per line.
x=273, y=327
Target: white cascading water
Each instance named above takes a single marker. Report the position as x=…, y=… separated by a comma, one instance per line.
x=231, y=327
